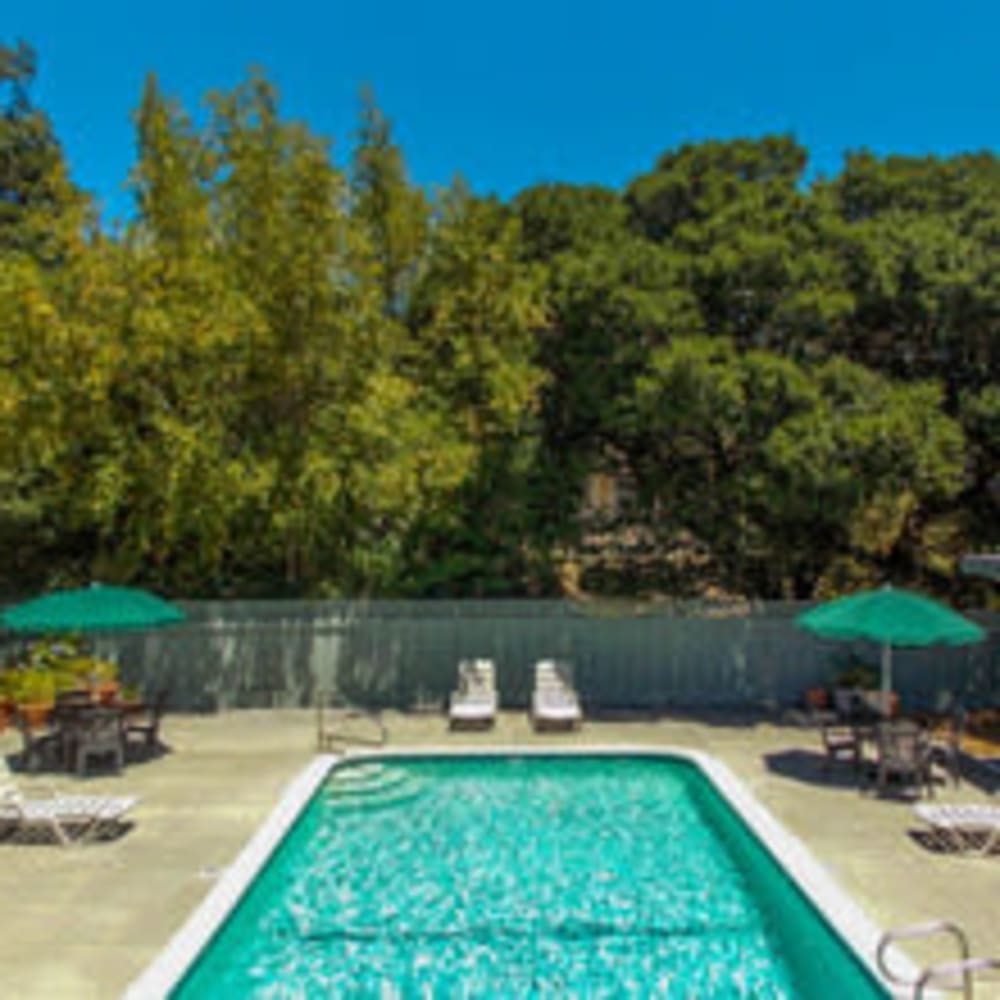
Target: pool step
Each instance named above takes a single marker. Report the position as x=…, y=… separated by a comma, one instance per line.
x=371, y=785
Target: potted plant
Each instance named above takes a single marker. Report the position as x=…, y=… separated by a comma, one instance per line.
x=101, y=676
x=35, y=695
x=74, y=670
x=129, y=695
x=7, y=703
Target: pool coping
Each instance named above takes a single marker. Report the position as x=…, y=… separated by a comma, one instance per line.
x=847, y=918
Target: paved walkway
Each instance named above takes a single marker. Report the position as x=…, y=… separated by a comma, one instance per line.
x=82, y=923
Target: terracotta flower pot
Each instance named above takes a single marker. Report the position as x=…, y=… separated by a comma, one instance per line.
x=107, y=692
x=817, y=698
x=35, y=714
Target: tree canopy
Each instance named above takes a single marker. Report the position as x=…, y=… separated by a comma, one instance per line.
x=292, y=375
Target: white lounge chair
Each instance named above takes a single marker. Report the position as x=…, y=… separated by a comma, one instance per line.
x=554, y=701
x=67, y=818
x=963, y=827
x=474, y=704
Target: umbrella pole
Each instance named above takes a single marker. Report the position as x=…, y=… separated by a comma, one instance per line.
x=886, y=677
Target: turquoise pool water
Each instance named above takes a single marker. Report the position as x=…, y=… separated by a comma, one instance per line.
x=524, y=877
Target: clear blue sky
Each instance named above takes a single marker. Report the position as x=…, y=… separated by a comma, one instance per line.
x=511, y=94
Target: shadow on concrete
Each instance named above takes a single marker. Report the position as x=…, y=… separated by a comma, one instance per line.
x=50, y=765
x=983, y=774
x=810, y=767
x=37, y=836
x=717, y=717
x=143, y=753
x=974, y=843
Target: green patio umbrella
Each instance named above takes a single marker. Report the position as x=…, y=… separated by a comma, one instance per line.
x=890, y=617
x=91, y=609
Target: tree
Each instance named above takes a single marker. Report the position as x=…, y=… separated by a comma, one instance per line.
x=863, y=483
x=786, y=474
x=171, y=178
x=704, y=413
x=695, y=183
x=41, y=213
x=475, y=316
x=394, y=215
x=979, y=413
x=762, y=270
x=562, y=218
x=918, y=241
x=283, y=379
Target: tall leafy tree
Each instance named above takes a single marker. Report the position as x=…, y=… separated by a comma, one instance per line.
x=475, y=316
x=562, y=218
x=919, y=242
x=171, y=178
x=760, y=267
x=792, y=477
x=394, y=214
x=285, y=378
x=42, y=214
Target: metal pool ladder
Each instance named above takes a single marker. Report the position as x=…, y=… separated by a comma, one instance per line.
x=955, y=975
x=340, y=726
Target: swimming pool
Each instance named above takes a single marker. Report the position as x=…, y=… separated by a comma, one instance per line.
x=597, y=874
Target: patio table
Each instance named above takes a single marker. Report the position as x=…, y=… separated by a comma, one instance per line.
x=86, y=727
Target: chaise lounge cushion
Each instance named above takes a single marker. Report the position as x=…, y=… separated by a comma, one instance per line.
x=475, y=701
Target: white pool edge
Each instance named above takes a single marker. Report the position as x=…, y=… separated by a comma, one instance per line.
x=183, y=949
x=849, y=921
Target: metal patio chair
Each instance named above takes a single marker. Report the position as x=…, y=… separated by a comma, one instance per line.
x=904, y=751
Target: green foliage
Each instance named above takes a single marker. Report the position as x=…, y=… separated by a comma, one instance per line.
x=42, y=214
x=565, y=218
x=286, y=378
x=850, y=671
x=783, y=469
x=475, y=319
x=394, y=216
x=698, y=182
x=50, y=667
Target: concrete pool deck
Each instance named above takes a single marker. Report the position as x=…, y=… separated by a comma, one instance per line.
x=84, y=922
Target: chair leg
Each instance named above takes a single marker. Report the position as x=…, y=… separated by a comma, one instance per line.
x=991, y=841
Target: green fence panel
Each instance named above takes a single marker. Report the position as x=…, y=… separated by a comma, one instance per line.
x=404, y=654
